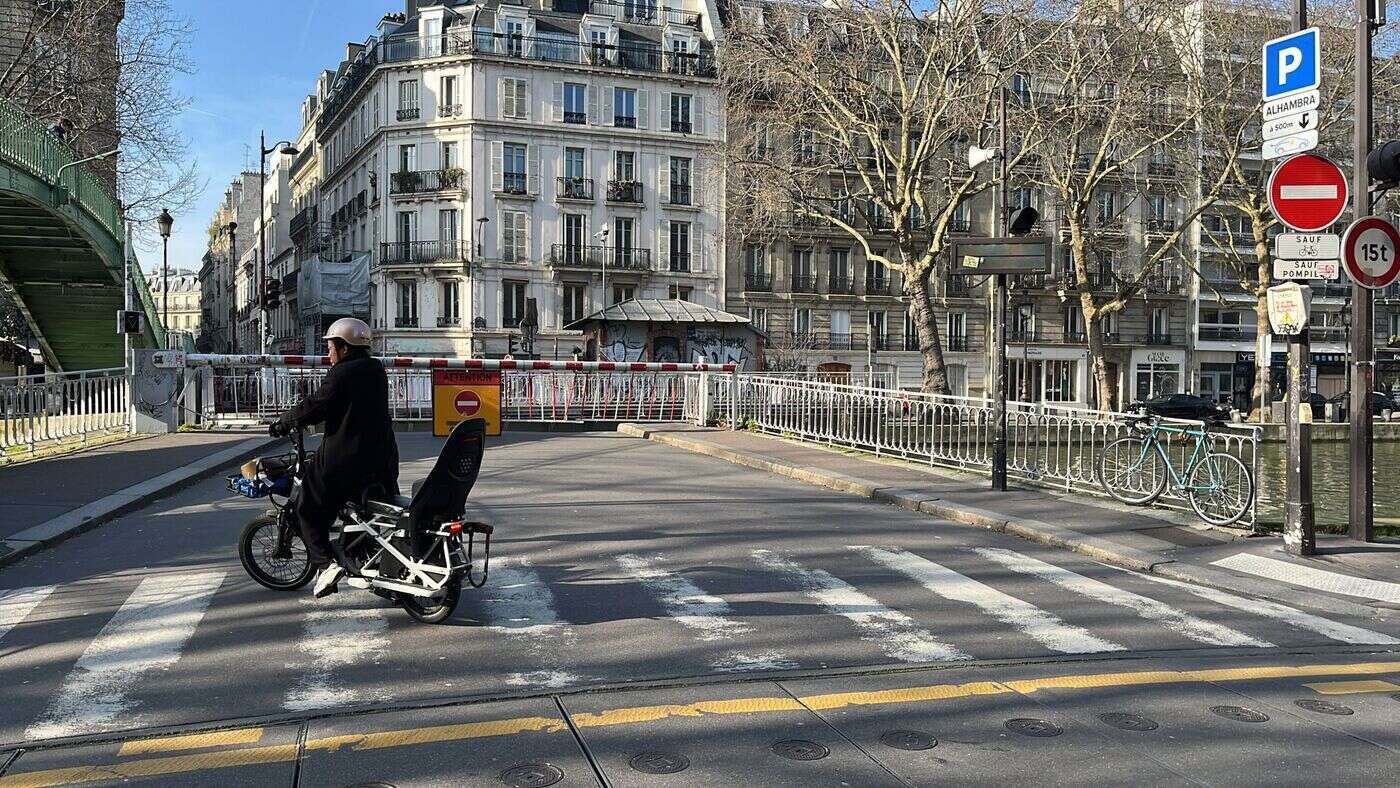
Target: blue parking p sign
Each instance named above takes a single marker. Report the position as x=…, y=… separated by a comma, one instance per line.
x=1292, y=63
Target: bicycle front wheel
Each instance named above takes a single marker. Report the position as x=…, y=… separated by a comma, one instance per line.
x=1132, y=470
x=1221, y=489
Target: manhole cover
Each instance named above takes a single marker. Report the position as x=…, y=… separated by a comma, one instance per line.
x=1323, y=706
x=800, y=750
x=908, y=740
x=1128, y=722
x=656, y=762
x=1032, y=727
x=1239, y=714
x=1395, y=696
x=532, y=775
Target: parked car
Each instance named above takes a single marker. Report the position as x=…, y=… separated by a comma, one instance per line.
x=1380, y=402
x=1184, y=406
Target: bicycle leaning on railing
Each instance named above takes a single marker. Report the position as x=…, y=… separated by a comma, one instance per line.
x=1135, y=469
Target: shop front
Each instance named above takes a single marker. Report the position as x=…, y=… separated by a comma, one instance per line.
x=1053, y=375
x=1157, y=372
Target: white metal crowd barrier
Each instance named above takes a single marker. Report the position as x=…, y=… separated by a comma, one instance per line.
x=36, y=410
x=1048, y=446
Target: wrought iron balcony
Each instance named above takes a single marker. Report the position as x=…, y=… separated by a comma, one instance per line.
x=579, y=118
x=1023, y=335
x=1153, y=338
x=680, y=194
x=681, y=125
x=1161, y=225
x=678, y=262
x=410, y=321
x=804, y=283
x=625, y=191
x=758, y=281
x=592, y=256
x=422, y=252
x=1073, y=337
x=445, y=321
x=408, y=113
x=449, y=110
x=513, y=183
x=877, y=285
x=625, y=121
x=574, y=188
x=959, y=225
x=1228, y=333
x=881, y=342
x=425, y=181
x=840, y=285
x=843, y=341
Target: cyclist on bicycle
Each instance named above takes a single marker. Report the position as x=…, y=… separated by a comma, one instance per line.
x=358, y=450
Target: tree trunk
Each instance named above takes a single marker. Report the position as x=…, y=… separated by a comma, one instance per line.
x=935, y=377
x=1263, y=359
x=1104, y=384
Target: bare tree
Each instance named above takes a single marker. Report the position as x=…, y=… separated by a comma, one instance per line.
x=100, y=73
x=853, y=118
x=1122, y=96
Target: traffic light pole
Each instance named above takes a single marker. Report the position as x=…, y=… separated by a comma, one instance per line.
x=998, y=316
x=1361, y=512
x=1299, y=524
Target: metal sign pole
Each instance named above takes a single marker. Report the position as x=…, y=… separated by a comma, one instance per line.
x=1298, y=521
x=1363, y=333
x=998, y=316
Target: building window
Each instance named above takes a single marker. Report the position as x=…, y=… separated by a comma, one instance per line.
x=408, y=99
x=1161, y=326
x=573, y=306
x=447, y=229
x=512, y=303
x=573, y=166
x=679, y=293
x=449, y=156
x=575, y=229
x=1107, y=207
x=839, y=271
x=449, y=292
x=1023, y=324
x=758, y=318
x=803, y=280
x=408, y=227
x=876, y=323
x=622, y=293
x=515, y=100
x=625, y=108
x=1060, y=379
x=1074, y=324
x=680, y=113
x=625, y=166
x=623, y=235
x=957, y=331
x=1158, y=380
x=680, y=180
x=513, y=168
x=679, y=246
x=802, y=322
x=407, y=314
x=408, y=158
x=514, y=236
x=575, y=103
x=447, y=98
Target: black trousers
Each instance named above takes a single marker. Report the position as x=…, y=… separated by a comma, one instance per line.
x=320, y=501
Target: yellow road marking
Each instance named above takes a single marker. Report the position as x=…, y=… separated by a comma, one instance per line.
x=193, y=741
x=1352, y=687
x=194, y=762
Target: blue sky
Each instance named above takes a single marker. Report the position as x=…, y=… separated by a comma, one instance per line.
x=254, y=61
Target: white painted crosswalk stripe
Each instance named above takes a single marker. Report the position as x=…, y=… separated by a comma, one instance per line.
x=1335, y=630
x=704, y=613
x=897, y=635
x=519, y=605
x=1178, y=621
x=1046, y=628
x=1312, y=577
x=147, y=633
x=16, y=604
x=339, y=633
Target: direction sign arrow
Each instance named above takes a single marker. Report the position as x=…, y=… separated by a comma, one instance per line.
x=1307, y=192
x=1289, y=124
x=1369, y=249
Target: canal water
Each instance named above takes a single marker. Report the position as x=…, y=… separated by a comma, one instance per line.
x=1331, y=483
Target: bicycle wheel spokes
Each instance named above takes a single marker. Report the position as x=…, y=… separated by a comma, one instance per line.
x=1221, y=489
x=1132, y=471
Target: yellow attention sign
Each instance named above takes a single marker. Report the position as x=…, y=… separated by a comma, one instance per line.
x=461, y=394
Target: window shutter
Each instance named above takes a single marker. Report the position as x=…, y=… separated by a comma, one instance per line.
x=663, y=120
x=663, y=179
x=532, y=178
x=504, y=98
x=643, y=117
x=522, y=99
x=525, y=237
x=558, y=102
x=697, y=107
x=594, y=116
x=665, y=252
x=697, y=193
x=608, y=114
x=497, y=167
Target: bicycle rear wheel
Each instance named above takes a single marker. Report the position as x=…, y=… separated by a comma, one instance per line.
x=1132, y=471
x=1221, y=489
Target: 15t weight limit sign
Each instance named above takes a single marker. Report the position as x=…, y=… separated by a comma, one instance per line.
x=1369, y=250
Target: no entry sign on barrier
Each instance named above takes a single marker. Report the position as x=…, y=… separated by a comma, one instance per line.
x=464, y=394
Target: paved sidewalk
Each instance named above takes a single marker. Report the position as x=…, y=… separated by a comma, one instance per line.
x=48, y=499
x=1343, y=578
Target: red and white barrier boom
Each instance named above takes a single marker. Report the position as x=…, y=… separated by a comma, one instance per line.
x=408, y=362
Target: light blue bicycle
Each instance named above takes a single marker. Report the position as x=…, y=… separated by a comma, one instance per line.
x=1135, y=469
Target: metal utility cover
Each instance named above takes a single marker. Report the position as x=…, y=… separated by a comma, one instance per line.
x=1012, y=255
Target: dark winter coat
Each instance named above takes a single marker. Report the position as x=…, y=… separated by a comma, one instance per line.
x=358, y=448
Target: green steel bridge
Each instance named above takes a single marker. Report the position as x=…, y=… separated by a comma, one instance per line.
x=62, y=246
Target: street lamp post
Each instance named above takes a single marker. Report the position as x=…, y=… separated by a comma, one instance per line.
x=165, y=221
x=288, y=149
x=603, y=236
x=232, y=228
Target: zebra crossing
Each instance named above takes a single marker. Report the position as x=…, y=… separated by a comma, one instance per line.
x=519, y=616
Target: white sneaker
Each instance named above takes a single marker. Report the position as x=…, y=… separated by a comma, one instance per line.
x=326, y=580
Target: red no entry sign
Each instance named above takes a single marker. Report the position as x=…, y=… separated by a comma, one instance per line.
x=1371, y=251
x=1307, y=192
x=467, y=403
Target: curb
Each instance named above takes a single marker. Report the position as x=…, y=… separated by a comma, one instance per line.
x=1095, y=547
x=89, y=516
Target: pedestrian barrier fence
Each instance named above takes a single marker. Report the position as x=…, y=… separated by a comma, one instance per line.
x=1047, y=445
x=37, y=410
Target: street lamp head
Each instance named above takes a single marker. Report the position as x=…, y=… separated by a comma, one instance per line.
x=165, y=221
x=290, y=150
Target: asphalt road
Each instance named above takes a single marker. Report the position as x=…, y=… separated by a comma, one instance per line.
x=622, y=561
